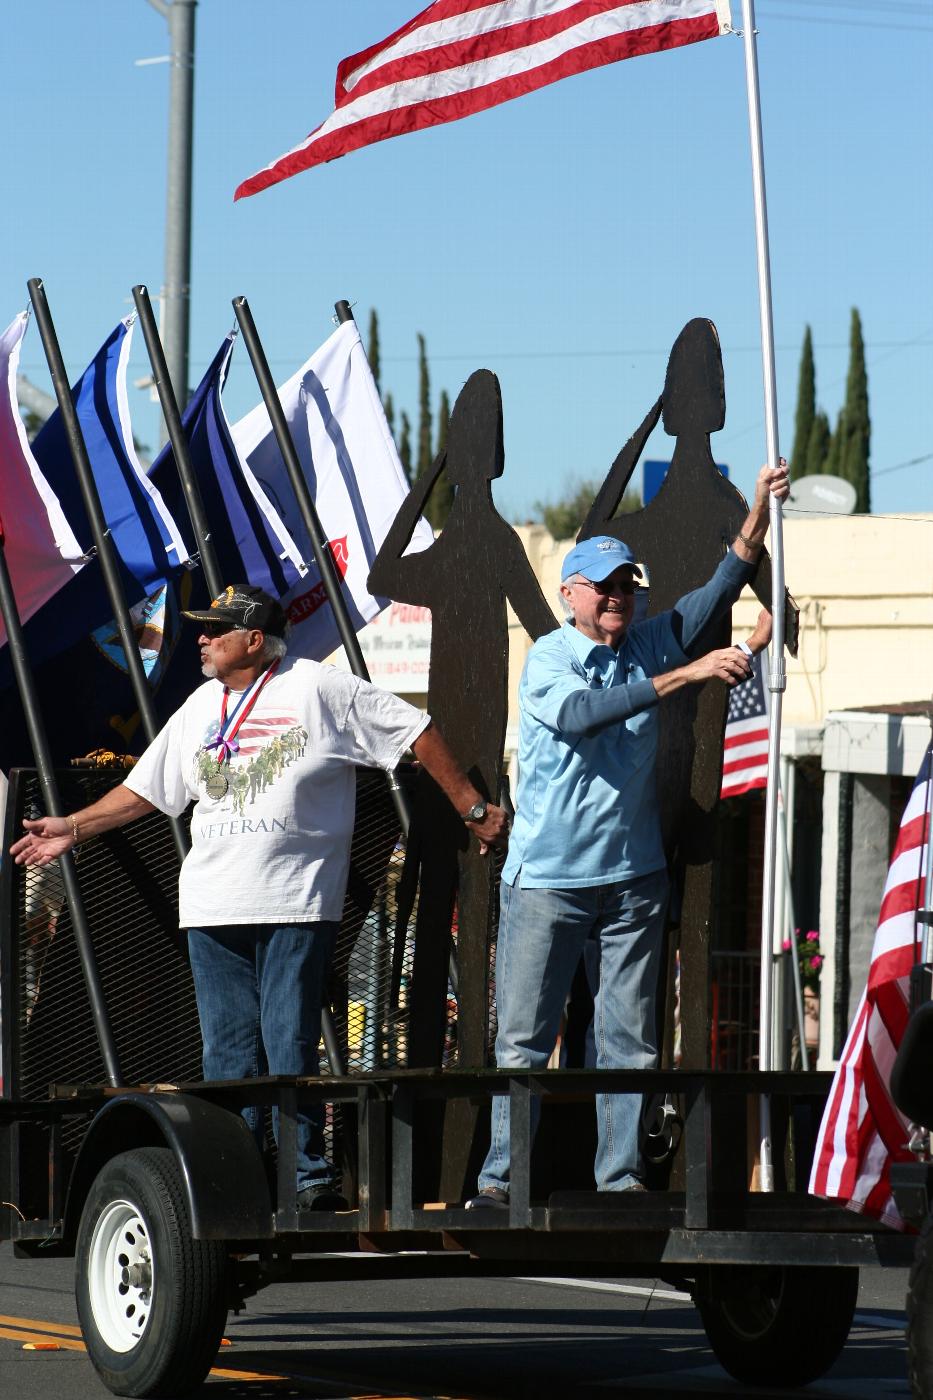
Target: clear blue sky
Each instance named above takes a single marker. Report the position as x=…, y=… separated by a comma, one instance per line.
x=561, y=240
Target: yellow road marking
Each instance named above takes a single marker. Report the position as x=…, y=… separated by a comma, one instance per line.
x=68, y=1337
x=63, y=1327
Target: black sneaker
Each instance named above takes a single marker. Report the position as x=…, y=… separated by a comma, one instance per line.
x=321, y=1195
x=489, y=1196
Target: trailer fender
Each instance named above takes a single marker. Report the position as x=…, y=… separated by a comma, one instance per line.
x=220, y=1163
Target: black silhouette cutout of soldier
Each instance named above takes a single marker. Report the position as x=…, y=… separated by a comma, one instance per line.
x=474, y=568
x=696, y=504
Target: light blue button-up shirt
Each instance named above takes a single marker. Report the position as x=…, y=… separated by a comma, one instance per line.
x=586, y=809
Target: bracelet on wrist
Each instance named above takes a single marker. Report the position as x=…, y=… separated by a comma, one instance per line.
x=74, y=831
x=751, y=544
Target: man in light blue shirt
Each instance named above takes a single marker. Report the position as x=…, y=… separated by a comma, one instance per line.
x=586, y=858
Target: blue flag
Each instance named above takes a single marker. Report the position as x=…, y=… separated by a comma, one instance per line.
x=251, y=543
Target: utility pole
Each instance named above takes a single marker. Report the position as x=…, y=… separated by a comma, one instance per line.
x=176, y=289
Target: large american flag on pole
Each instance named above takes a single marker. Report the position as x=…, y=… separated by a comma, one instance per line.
x=862, y=1132
x=463, y=56
x=745, y=751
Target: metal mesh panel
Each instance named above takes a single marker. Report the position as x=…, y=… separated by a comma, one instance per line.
x=129, y=884
x=129, y=881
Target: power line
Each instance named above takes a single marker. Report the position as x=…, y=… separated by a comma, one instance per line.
x=899, y=466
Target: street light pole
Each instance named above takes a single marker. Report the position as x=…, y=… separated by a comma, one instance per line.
x=176, y=290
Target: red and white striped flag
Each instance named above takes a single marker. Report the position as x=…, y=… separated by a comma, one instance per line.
x=745, y=751
x=862, y=1132
x=462, y=56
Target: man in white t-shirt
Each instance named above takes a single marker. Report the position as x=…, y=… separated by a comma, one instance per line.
x=266, y=750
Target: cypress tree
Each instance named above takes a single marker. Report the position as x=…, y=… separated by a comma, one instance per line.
x=443, y=420
x=818, y=446
x=806, y=408
x=855, y=443
x=373, y=350
x=425, y=456
x=389, y=406
x=404, y=446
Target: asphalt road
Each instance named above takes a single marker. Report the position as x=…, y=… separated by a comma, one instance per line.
x=493, y=1339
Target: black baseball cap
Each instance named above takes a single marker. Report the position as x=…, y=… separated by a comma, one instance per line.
x=243, y=605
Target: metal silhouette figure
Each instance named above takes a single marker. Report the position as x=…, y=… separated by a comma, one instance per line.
x=680, y=537
x=474, y=569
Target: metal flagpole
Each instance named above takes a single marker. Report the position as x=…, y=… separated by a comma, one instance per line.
x=53, y=805
x=176, y=436
x=777, y=679
x=309, y=515
x=100, y=531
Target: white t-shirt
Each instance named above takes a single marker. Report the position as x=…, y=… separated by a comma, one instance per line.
x=275, y=847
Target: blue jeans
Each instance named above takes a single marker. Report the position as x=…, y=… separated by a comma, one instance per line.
x=542, y=934
x=260, y=988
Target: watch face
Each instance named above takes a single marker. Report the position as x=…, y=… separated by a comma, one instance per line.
x=477, y=812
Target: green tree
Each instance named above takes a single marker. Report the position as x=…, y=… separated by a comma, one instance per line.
x=404, y=446
x=389, y=407
x=819, y=445
x=443, y=420
x=373, y=350
x=806, y=409
x=425, y=455
x=852, y=443
x=563, y=517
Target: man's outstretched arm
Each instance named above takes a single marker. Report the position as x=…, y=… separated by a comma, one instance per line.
x=49, y=837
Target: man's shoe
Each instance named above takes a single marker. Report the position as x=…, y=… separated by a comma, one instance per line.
x=635, y=1186
x=321, y=1195
x=489, y=1196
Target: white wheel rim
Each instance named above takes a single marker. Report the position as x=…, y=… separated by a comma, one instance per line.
x=121, y=1275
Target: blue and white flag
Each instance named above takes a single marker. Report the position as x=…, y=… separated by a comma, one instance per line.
x=144, y=533
x=251, y=543
x=350, y=462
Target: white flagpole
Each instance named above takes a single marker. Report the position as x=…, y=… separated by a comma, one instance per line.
x=777, y=679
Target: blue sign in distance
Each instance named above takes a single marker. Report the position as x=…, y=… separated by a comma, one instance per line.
x=655, y=472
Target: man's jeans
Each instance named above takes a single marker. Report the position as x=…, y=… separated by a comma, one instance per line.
x=260, y=988
x=542, y=934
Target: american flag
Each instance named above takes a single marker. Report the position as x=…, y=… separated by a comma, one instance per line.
x=862, y=1132
x=745, y=755
x=463, y=56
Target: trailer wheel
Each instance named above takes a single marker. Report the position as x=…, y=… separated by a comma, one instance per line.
x=776, y=1325
x=152, y=1301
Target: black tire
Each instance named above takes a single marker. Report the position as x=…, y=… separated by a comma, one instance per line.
x=920, y=1316
x=152, y=1301
x=777, y=1326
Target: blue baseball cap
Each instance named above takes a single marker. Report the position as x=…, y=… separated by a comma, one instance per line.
x=597, y=558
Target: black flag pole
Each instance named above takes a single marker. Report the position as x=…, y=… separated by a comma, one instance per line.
x=179, y=442
x=312, y=522
x=53, y=804
x=100, y=531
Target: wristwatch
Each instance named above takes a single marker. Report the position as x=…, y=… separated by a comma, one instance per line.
x=743, y=646
x=477, y=812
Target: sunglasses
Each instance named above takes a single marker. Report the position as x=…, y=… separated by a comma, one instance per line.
x=625, y=586
x=219, y=629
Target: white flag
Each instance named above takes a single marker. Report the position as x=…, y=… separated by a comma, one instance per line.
x=42, y=552
x=350, y=462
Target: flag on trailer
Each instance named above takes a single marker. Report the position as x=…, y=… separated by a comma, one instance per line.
x=745, y=753
x=42, y=551
x=144, y=533
x=463, y=56
x=862, y=1131
x=350, y=462
x=72, y=641
x=249, y=538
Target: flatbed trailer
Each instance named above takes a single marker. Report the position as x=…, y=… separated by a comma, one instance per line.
x=174, y=1216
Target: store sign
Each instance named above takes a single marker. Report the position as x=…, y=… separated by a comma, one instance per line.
x=396, y=645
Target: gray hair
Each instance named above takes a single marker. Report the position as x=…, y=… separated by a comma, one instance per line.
x=565, y=606
x=274, y=648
